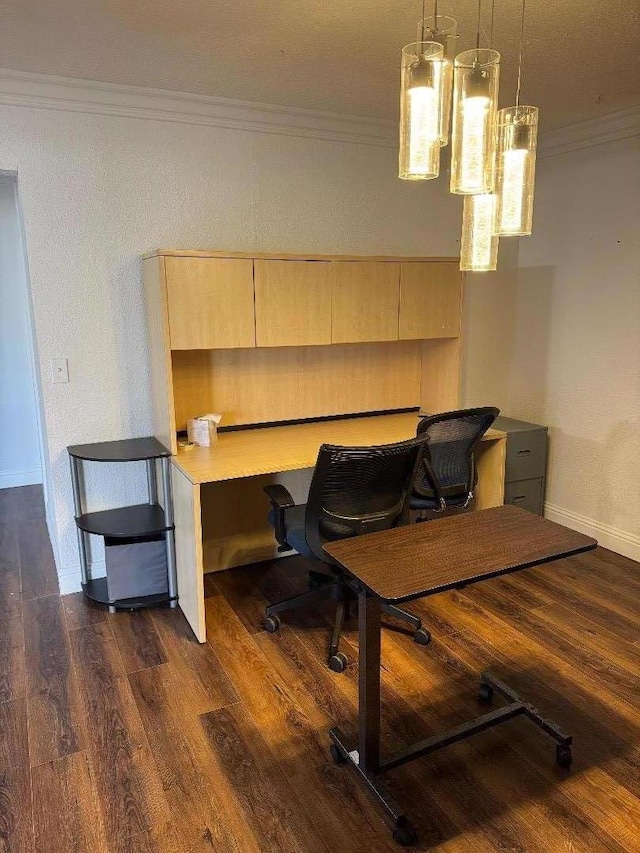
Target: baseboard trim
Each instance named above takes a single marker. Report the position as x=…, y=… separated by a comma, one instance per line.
x=70, y=579
x=627, y=544
x=25, y=477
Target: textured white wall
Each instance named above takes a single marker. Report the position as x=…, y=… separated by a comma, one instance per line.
x=574, y=356
x=97, y=191
x=19, y=451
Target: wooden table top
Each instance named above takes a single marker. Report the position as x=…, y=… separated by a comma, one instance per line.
x=247, y=452
x=423, y=559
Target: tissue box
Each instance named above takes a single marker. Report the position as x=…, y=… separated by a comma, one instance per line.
x=203, y=430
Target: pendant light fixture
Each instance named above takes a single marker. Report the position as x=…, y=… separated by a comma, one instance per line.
x=420, y=97
x=443, y=30
x=516, y=161
x=479, y=243
x=476, y=77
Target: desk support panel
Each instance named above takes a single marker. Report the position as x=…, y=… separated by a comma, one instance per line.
x=188, y=536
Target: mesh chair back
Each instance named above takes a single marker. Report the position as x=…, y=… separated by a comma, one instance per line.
x=358, y=490
x=448, y=470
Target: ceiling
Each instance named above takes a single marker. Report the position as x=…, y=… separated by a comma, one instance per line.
x=581, y=59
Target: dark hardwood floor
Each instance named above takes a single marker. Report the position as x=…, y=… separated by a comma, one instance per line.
x=122, y=734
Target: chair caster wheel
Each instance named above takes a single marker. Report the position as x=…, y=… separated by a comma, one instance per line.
x=338, y=662
x=405, y=835
x=422, y=637
x=485, y=694
x=336, y=754
x=271, y=624
x=564, y=756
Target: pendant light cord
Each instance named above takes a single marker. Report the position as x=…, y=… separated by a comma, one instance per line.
x=478, y=29
x=520, y=56
x=422, y=23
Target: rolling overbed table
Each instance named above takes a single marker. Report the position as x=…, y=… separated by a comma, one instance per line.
x=418, y=560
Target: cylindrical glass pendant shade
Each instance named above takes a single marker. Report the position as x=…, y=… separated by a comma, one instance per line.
x=443, y=30
x=479, y=244
x=476, y=77
x=421, y=89
x=515, y=169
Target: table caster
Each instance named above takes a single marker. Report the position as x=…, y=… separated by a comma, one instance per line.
x=422, y=637
x=338, y=662
x=564, y=755
x=485, y=694
x=271, y=624
x=404, y=834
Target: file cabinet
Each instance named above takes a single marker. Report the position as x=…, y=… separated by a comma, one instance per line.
x=526, y=463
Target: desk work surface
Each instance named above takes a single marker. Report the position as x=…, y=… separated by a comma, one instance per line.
x=266, y=450
x=433, y=556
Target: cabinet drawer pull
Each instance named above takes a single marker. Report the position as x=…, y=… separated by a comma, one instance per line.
x=519, y=498
x=524, y=452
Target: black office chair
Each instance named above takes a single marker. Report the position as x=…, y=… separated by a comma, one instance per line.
x=447, y=475
x=354, y=490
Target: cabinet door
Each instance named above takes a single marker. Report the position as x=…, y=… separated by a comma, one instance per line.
x=293, y=303
x=364, y=301
x=430, y=297
x=210, y=303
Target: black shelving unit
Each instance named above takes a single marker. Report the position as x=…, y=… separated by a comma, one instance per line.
x=138, y=522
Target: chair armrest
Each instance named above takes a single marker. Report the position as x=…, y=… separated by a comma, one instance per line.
x=279, y=496
x=281, y=501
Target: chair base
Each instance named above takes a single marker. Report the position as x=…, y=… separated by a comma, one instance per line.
x=325, y=586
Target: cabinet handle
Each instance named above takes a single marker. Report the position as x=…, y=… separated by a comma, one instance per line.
x=523, y=452
x=519, y=498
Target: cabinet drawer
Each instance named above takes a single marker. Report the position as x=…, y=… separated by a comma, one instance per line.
x=527, y=494
x=526, y=455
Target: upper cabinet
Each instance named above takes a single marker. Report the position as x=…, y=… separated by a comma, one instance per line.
x=364, y=301
x=430, y=300
x=210, y=302
x=293, y=303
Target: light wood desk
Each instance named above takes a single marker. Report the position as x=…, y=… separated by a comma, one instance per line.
x=217, y=528
x=269, y=338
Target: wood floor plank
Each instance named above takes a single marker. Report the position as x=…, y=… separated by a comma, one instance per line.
x=265, y=795
x=12, y=663
x=137, y=639
x=600, y=608
x=224, y=746
x=10, y=584
x=65, y=808
x=80, y=611
x=167, y=720
x=53, y=701
x=158, y=839
x=292, y=725
x=129, y=790
x=37, y=566
x=199, y=673
x=21, y=503
x=16, y=828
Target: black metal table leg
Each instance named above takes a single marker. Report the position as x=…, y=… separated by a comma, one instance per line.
x=366, y=759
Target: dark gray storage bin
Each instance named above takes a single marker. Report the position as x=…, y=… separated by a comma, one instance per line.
x=136, y=567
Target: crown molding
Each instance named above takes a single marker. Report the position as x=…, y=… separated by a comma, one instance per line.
x=68, y=94
x=45, y=91
x=612, y=127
